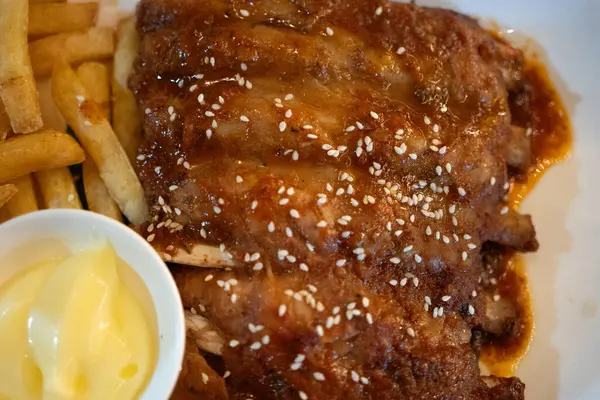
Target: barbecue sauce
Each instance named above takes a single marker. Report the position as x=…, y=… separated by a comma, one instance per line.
x=539, y=108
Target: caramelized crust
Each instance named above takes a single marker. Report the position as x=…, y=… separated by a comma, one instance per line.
x=352, y=158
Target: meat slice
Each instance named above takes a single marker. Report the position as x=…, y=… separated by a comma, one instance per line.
x=331, y=340
x=358, y=148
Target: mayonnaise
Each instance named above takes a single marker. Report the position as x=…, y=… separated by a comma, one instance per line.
x=71, y=329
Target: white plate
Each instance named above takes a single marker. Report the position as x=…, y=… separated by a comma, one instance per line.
x=564, y=359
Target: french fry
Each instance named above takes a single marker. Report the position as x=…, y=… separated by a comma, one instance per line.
x=4, y=122
x=127, y=122
x=95, y=78
x=24, y=201
x=17, y=86
x=52, y=18
x=24, y=154
x=127, y=48
x=93, y=44
x=6, y=193
x=58, y=189
x=99, y=141
x=96, y=194
x=52, y=118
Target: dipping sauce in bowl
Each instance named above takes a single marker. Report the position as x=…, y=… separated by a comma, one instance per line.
x=87, y=311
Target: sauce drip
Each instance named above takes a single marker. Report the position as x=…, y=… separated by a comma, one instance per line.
x=539, y=108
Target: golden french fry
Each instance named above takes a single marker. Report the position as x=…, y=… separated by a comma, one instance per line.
x=99, y=141
x=24, y=154
x=96, y=194
x=6, y=192
x=58, y=189
x=52, y=118
x=17, y=86
x=46, y=1
x=127, y=48
x=95, y=79
x=127, y=122
x=25, y=200
x=93, y=44
x=126, y=119
x=4, y=122
x=52, y=18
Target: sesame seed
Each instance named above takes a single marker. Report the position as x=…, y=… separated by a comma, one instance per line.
x=282, y=310
x=303, y=267
x=173, y=188
x=471, y=310
x=413, y=156
x=234, y=343
x=340, y=263
x=365, y=302
x=395, y=260
x=288, y=97
x=258, y=266
x=209, y=113
x=282, y=126
x=400, y=149
x=320, y=330
x=427, y=120
x=255, y=346
x=407, y=249
x=378, y=10
x=150, y=238
x=374, y=115
x=243, y=118
x=411, y=332
x=462, y=191
x=329, y=31
x=294, y=213
x=403, y=282
x=418, y=258
x=271, y=226
x=504, y=210
x=400, y=51
x=319, y=376
x=288, y=114
x=302, y=395
x=204, y=378
x=244, y=67
x=464, y=255
x=244, y=13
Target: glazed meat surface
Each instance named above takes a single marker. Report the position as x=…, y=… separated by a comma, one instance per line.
x=351, y=158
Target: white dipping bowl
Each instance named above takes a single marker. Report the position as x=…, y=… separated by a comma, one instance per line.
x=149, y=278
